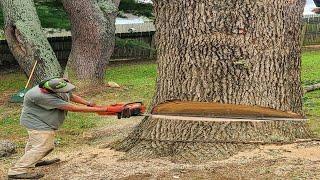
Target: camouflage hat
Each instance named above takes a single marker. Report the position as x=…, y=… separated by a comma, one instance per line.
x=59, y=85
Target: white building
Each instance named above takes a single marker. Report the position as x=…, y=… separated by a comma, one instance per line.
x=144, y=1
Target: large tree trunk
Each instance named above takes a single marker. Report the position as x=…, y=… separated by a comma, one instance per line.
x=234, y=52
x=27, y=41
x=93, y=37
x=240, y=54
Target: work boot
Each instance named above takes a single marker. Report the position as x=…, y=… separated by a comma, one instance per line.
x=47, y=162
x=26, y=176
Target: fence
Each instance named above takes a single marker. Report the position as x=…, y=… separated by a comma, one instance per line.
x=311, y=30
x=143, y=33
x=62, y=47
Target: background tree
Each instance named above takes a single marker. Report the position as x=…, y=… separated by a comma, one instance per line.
x=93, y=37
x=224, y=58
x=27, y=41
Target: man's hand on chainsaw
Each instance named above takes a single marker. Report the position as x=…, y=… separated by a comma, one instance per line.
x=125, y=113
x=123, y=110
x=91, y=104
x=120, y=110
x=114, y=109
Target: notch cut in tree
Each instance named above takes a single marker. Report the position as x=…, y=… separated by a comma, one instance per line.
x=239, y=53
x=93, y=37
x=215, y=110
x=27, y=41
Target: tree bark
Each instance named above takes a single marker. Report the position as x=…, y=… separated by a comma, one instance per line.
x=27, y=41
x=93, y=37
x=237, y=54
x=180, y=139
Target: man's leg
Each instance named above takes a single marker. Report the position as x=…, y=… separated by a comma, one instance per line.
x=42, y=143
x=28, y=146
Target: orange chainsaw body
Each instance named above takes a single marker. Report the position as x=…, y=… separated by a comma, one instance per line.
x=130, y=109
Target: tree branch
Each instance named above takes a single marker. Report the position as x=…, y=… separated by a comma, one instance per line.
x=311, y=88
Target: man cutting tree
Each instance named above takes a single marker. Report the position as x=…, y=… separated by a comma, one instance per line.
x=44, y=109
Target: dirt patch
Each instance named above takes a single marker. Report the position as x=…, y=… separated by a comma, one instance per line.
x=288, y=161
x=92, y=161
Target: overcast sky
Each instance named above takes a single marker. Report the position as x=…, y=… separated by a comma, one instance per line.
x=309, y=6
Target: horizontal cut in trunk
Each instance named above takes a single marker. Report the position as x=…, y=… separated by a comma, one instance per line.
x=203, y=109
x=242, y=55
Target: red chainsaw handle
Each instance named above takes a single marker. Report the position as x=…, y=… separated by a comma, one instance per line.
x=106, y=113
x=124, y=110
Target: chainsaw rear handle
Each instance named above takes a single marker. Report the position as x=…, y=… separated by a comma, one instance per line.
x=122, y=110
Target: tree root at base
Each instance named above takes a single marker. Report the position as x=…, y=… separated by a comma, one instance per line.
x=200, y=141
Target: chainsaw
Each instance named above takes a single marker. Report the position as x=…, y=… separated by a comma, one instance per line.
x=125, y=110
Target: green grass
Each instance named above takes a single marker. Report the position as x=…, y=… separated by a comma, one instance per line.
x=136, y=8
x=310, y=67
x=51, y=15
x=311, y=75
x=138, y=82
x=13, y=81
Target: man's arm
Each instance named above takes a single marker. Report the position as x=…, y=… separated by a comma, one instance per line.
x=75, y=108
x=77, y=99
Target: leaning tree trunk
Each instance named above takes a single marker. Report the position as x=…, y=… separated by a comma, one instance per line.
x=27, y=41
x=93, y=37
x=225, y=59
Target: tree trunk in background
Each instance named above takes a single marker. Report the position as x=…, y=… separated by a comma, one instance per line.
x=229, y=52
x=93, y=37
x=27, y=41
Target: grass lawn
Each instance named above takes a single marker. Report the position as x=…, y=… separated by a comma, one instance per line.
x=311, y=75
x=138, y=80
x=51, y=15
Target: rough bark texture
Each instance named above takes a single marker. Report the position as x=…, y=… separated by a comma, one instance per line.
x=92, y=29
x=231, y=52
x=198, y=141
x=27, y=41
x=235, y=52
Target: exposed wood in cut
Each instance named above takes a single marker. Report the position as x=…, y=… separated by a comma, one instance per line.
x=205, y=109
x=224, y=119
x=243, y=58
